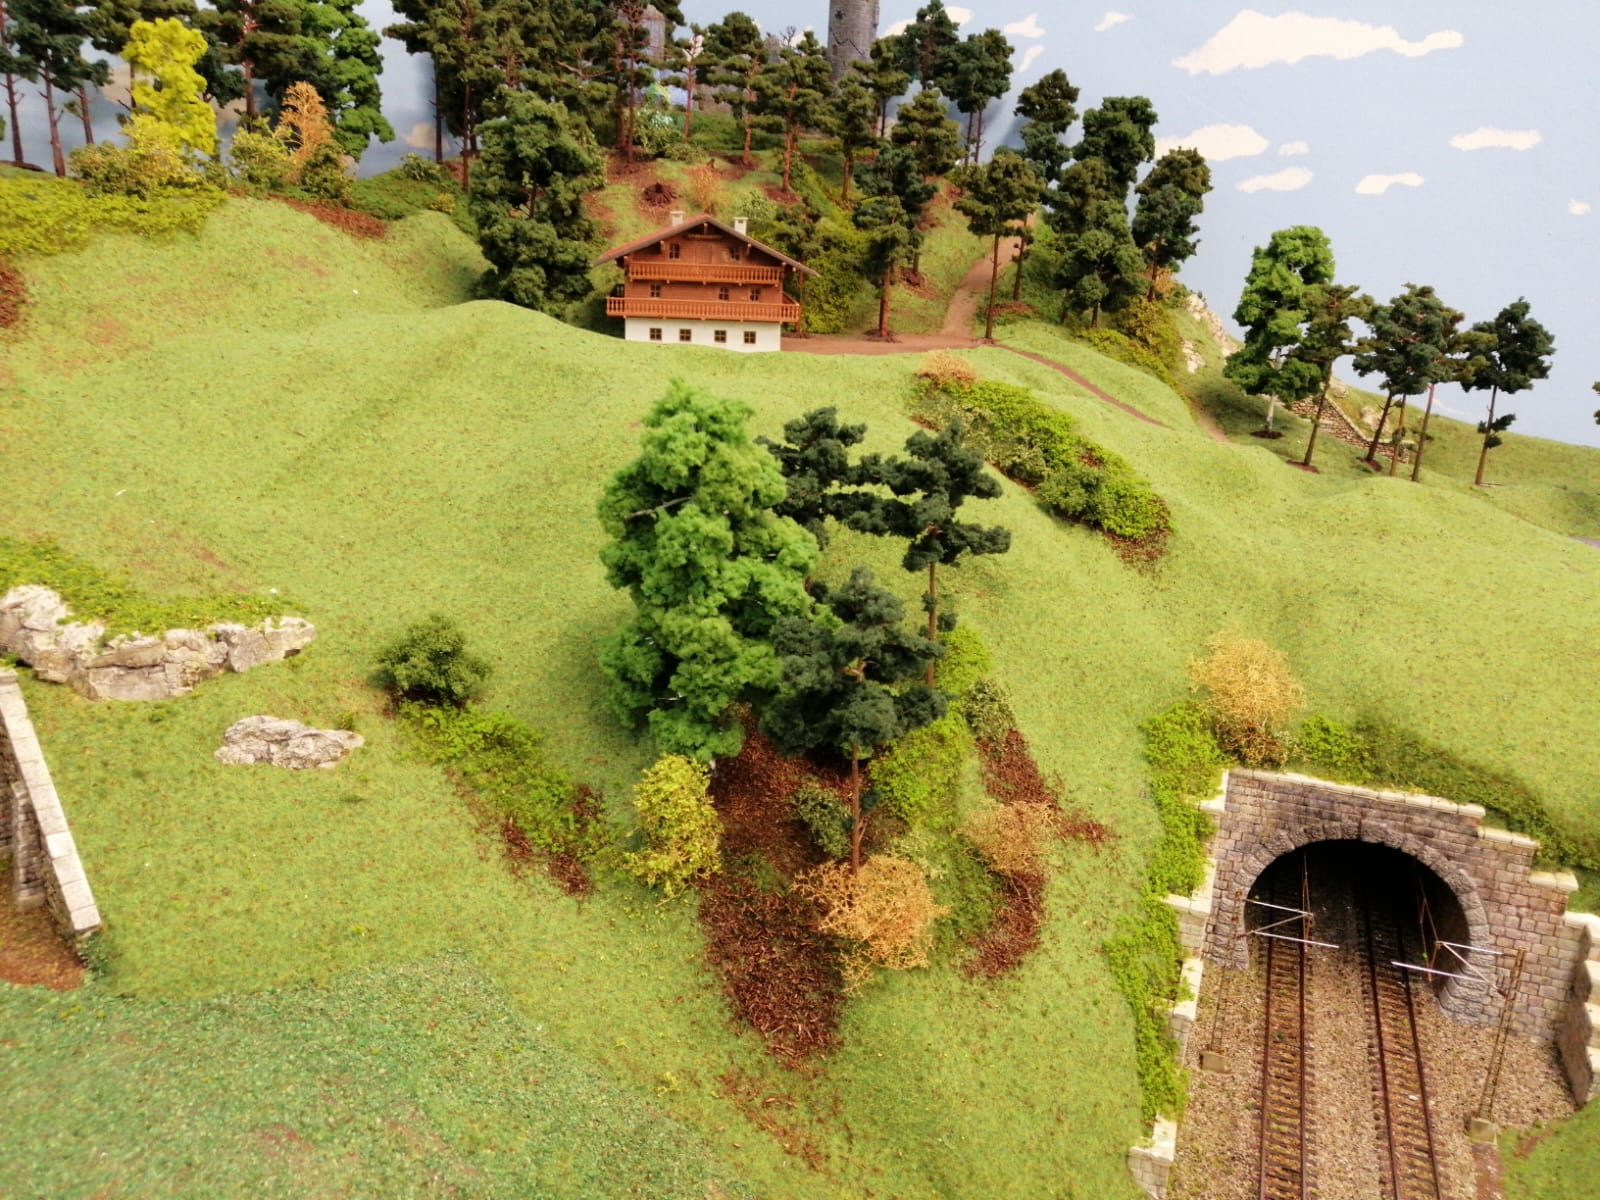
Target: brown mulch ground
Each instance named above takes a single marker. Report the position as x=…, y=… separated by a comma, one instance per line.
x=657, y=195
x=357, y=224
x=765, y=1110
x=780, y=975
x=32, y=953
x=13, y=295
x=1013, y=934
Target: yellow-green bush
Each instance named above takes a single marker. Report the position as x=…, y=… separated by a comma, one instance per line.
x=682, y=833
x=45, y=215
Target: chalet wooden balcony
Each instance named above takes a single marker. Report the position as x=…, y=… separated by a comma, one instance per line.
x=693, y=272
x=787, y=312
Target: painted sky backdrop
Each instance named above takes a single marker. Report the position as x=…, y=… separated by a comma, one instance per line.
x=1443, y=142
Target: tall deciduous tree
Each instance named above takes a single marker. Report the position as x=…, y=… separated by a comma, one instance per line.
x=998, y=197
x=979, y=72
x=1101, y=269
x=1119, y=133
x=848, y=682
x=527, y=198
x=1515, y=351
x=1326, y=337
x=935, y=478
x=1273, y=310
x=1170, y=198
x=1409, y=347
x=792, y=92
x=852, y=118
x=737, y=53
x=710, y=568
x=14, y=68
x=162, y=56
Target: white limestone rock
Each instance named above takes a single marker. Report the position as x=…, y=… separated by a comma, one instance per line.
x=284, y=743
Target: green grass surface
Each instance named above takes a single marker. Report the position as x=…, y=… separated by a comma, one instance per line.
x=272, y=406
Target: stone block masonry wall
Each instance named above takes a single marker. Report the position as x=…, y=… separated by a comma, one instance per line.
x=33, y=827
x=1579, y=1036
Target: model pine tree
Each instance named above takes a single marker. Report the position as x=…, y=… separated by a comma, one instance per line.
x=793, y=91
x=1170, y=198
x=1514, y=351
x=997, y=198
x=1409, y=347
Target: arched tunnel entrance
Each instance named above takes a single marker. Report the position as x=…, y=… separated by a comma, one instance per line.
x=1342, y=884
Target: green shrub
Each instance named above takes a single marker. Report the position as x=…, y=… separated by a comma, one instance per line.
x=1148, y=324
x=825, y=818
x=260, y=161
x=323, y=175
x=987, y=710
x=40, y=214
x=107, y=169
x=919, y=777
x=1332, y=745
x=1181, y=751
x=429, y=664
x=1104, y=493
x=966, y=661
x=832, y=294
x=683, y=835
x=423, y=170
x=1122, y=348
x=502, y=760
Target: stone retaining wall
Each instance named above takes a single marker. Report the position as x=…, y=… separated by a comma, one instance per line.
x=45, y=868
x=1578, y=1039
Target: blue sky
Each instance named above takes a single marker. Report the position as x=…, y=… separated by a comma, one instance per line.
x=1443, y=142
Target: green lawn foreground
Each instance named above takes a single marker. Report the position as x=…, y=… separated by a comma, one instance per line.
x=377, y=462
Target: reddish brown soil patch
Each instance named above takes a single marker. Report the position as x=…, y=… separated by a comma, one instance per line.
x=1011, y=775
x=1139, y=552
x=752, y=794
x=32, y=953
x=13, y=295
x=1014, y=932
x=564, y=867
x=1269, y=434
x=1300, y=466
x=780, y=975
x=356, y=224
x=657, y=195
x=776, y=194
x=735, y=168
x=764, y=1110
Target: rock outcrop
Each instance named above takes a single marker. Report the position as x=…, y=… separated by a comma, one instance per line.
x=283, y=743
x=35, y=627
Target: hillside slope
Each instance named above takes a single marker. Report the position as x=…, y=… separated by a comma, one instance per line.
x=328, y=423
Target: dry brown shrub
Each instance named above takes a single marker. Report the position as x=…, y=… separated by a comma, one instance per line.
x=885, y=911
x=1250, y=693
x=944, y=368
x=303, y=123
x=705, y=188
x=1012, y=837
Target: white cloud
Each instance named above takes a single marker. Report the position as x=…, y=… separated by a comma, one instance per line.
x=1578, y=208
x=958, y=14
x=1029, y=57
x=897, y=28
x=1028, y=27
x=1488, y=137
x=1377, y=185
x=1254, y=39
x=419, y=136
x=1111, y=20
x=1217, y=142
x=1290, y=179
x=1290, y=149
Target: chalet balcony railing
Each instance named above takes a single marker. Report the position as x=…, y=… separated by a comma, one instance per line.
x=694, y=272
x=787, y=312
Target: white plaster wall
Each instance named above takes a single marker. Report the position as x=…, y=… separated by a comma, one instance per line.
x=768, y=333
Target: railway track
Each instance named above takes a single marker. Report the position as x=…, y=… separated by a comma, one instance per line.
x=1284, y=1173
x=1405, y=1127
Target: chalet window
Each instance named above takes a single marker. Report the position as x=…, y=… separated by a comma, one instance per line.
x=673, y=249
x=755, y=294
x=720, y=337
x=749, y=337
x=655, y=333
x=724, y=292
x=735, y=253
x=686, y=335
x=655, y=291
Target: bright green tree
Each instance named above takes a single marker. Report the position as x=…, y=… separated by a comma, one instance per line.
x=346, y=72
x=996, y=199
x=1101, y=269
x=682, y=832
x=1170, y=198
x=710, y=569
x=1514, y=351
x=849, y=682
x=527, y=199
x=1120, y=134
x=1273, y=309
x=1410, y=347
x=162, y=56
x=793, y=90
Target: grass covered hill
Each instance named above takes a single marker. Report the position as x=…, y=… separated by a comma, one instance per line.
x=272, y=405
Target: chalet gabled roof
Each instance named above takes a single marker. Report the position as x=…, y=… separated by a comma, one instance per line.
x=660, y=235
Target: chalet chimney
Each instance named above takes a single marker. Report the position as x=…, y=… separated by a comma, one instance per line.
x=675, y=217
x=742, y=225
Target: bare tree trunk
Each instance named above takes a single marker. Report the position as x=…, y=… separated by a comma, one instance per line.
x=1316, y=422
x=883, y=305
x=994, y=278
x=438, y=121
x=1398, y=437
x=83, y=114
x=1154, y=271
x=788, y=155
x=849, y=169
x=1422, y=437
x=11, y=104
x=57, y=159
x=1488, y=432
x=1023, y=241
x=688, y=103
x=744, y=160
x=1383, y=419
